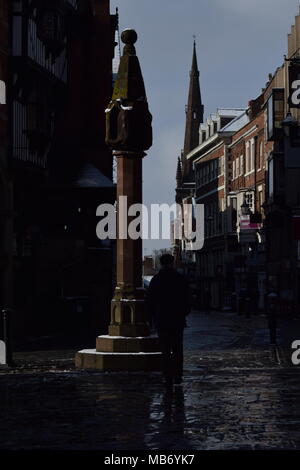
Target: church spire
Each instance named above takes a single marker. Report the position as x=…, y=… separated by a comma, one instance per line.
x=194, y=113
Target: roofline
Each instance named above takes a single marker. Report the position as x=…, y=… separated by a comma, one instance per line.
x=208, y=151
x=252, y=129
x=202, y=146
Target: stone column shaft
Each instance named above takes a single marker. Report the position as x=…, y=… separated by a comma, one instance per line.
x=129, y=252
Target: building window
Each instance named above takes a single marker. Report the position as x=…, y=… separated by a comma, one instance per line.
x=270, y=118
x=271, y=178
x=275, y=114
x=211, y=170
x=220, y=215
x=252, y=154
x=250, y=200
x=247, y=157
x=260, y=155
x=237, y=167
x=260, y=198
x=219, y=166
x=215, y=168
x=233, y=169
x=241, y=165
x=233, y=202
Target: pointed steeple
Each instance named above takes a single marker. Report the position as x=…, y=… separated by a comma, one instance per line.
x=194, y=113
x=194, y=69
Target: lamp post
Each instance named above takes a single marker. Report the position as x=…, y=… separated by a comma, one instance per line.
x=289, y=123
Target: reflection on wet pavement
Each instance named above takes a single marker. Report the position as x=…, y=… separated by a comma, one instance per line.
x=231, y=398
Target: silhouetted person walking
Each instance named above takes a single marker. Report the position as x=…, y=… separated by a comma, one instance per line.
x=169, y=303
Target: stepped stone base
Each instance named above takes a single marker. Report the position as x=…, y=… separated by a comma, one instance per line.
x=127, y=344
x=128, y=330
x=109, y=361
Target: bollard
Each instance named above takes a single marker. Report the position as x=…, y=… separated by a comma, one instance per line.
x=5, y=338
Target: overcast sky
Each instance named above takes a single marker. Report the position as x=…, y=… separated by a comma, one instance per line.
x=239, y=42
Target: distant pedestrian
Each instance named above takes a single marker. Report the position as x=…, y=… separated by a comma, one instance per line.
x=169, y=304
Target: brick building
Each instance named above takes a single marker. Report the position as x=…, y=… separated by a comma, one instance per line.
x=282, y=206
x=185, y=178
x=212, y=165
x=6, y=196
x=246, y=173
x=60, y=82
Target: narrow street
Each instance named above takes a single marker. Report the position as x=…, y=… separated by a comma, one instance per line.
x=238, y=393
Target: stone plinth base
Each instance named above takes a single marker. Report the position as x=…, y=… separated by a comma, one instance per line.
x=127, y=344
x=141, y=361
x=128, y=330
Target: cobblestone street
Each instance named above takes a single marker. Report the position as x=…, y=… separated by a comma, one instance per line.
x=238, y=393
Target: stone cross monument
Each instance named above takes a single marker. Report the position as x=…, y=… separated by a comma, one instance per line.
x=128, y=346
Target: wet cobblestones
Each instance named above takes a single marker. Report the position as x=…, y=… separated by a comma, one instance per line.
x=232, y=398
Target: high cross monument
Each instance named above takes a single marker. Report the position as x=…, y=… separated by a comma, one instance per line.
x=128, y=345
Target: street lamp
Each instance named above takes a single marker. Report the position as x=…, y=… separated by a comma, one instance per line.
x=289, y=123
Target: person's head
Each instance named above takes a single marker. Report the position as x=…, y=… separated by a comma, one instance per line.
x=166, y=260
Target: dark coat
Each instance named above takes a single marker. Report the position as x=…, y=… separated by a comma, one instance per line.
x=169, y=299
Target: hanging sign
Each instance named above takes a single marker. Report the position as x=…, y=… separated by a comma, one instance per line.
x=294, y=85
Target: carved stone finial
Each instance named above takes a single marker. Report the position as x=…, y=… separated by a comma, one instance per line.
x=129, y=37
x=128, y=120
